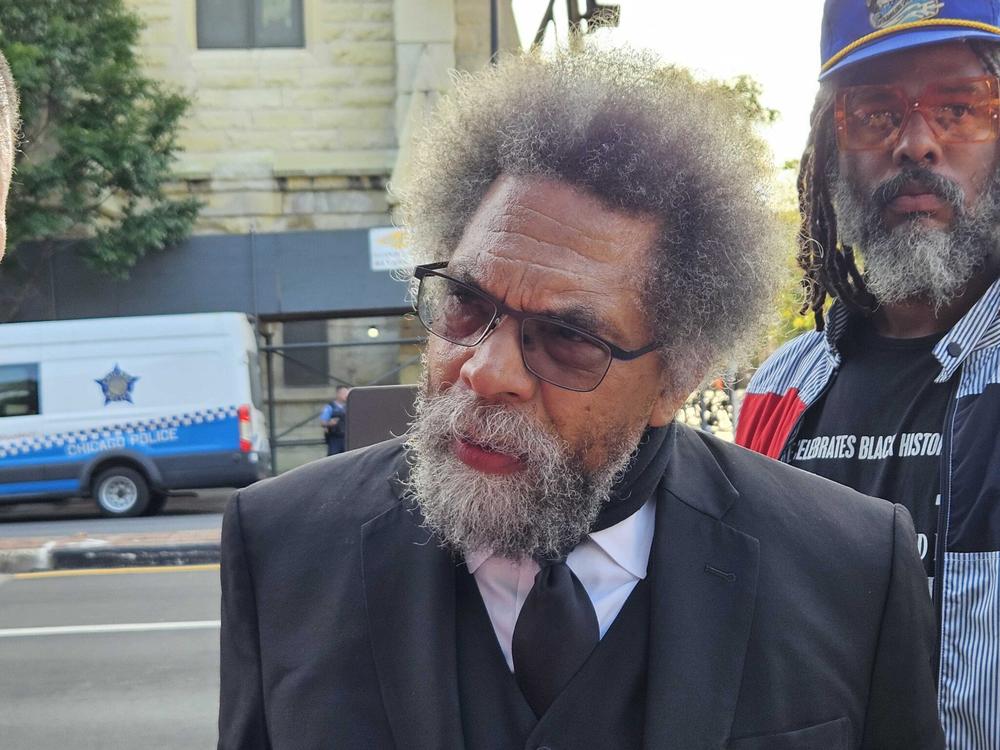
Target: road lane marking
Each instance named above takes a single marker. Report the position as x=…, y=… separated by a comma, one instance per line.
x=125, y=627
x=116, y=571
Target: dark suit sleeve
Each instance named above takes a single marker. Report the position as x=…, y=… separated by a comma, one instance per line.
x=242, y=724
x=902, y=705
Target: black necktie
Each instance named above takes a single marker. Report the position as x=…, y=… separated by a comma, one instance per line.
x=554, y=634
x=557, y=627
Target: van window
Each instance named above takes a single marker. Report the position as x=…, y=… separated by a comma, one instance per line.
x=18, y=390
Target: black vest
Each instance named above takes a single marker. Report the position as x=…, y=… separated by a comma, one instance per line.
x=603, y=706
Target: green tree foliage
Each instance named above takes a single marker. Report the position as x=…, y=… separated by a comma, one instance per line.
x=788, y=321
x=749, y=92
x=98, y=136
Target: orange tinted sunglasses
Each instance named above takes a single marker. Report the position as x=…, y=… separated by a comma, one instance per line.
x=960, y=110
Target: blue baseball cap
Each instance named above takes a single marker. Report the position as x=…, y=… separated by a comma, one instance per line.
x=856, y=30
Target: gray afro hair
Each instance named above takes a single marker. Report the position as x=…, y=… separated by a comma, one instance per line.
x=643, y=138
x=9, y=107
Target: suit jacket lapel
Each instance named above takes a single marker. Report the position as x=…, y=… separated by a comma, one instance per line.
x=703, y=577
x=409, y=587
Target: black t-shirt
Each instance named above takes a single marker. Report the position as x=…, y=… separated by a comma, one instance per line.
x=879, y=426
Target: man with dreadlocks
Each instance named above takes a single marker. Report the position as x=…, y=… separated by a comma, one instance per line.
x=897, y=392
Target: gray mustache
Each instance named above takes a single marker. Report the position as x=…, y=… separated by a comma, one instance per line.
x=945, y=189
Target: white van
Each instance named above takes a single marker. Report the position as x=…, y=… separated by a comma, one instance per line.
x=126, y=409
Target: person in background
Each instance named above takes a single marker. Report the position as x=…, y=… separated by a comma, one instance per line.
x=545, y=559
x=897, y=392
x=333, y=420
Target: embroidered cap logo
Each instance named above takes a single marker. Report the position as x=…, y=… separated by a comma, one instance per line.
x=886, y=13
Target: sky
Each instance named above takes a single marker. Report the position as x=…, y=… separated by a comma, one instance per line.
x=775, y=41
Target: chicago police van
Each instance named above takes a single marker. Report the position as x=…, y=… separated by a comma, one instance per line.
x=124, y=410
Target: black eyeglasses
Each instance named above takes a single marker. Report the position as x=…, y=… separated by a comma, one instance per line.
x=556, y=352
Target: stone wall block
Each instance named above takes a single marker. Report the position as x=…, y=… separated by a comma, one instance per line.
x=299, y=222
x=315, y=140
x=246, y=185
x=329, y=182
x=377, y=12
x=341, y=13
x=330, y=32
x=219, y=119
x=349, y=221
x=279, y=119
x=299, y=203
x=368, y=96
x=423, y=67
x=225, y=224
x=241, y=204
x=280, y=76
x=375, y=118
x=293, y=184
x=157, y=60
x=369, y=32
x=364, y=53
x=424, y=20
x=364, y=138
x=311, y=98
x=327, y=77
x=228, y=79
x=247, y=164
x=264, y=139
x=374, y=74
x=158, y=32
x=203, y=140
x=248, y=99
x=351, y=202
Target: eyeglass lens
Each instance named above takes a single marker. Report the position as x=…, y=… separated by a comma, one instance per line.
x=557, y=353
x=962, y=111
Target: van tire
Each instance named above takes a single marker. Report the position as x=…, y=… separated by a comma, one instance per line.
x=121, y=492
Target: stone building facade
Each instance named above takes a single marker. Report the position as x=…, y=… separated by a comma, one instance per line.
x=306, y=138
x=300, y=142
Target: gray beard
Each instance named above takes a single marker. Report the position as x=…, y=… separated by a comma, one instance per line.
x=913, y=261
x=543, y=510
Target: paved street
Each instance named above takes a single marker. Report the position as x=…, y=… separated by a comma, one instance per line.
x=126, y=659
x=81, y=514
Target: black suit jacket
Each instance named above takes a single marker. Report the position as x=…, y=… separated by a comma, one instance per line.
x=788, y=612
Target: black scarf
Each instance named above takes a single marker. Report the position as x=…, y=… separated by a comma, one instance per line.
x=639, y=481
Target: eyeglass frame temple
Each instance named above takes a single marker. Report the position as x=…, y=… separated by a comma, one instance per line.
x=616, y=352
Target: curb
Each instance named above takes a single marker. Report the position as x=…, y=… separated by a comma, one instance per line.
x=25, y=560
x=49, y=557
x=134, y=557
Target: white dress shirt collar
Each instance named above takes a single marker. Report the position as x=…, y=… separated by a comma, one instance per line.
x=628, y=542
x=609, y=564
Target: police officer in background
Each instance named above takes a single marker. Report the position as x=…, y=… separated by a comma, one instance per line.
x=333, y=420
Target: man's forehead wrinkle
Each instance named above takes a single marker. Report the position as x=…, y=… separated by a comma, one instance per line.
x=550, y=256
x=514, y=215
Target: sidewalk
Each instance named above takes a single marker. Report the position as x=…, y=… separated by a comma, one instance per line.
x=95, y=550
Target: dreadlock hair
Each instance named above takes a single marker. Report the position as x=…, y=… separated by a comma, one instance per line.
x=828, y=265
